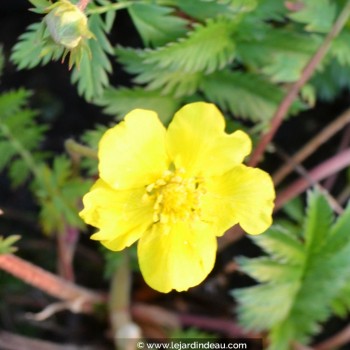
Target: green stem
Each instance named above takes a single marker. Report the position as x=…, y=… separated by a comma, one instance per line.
x=107, y=8
x=125, y=332
x=76, y=148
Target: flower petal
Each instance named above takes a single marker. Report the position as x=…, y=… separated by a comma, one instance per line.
x=121, y=216
x=197, y=141
x=243, y=195
x=178, y=257
x=133, y=154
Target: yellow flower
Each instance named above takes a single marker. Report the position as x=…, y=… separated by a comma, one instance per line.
x=175, y=190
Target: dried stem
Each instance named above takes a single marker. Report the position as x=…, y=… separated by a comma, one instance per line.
x=50, y=283
x=320, y=172
x=311, y=146
x=337, y=340
x=295, y=88
x=344, y=143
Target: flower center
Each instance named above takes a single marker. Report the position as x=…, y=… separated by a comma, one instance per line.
x=175, y=197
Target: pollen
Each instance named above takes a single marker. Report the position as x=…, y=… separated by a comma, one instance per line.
x=175, y=197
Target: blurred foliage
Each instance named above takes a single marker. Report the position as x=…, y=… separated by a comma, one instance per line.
x=262, y=46
x=303, y=278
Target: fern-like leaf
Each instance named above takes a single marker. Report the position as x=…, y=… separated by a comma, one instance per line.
x=92, y=74
x=156, y=24
x=299, y=286
x=204, y=9
x=120, y=101
x=317, y=15
x=20, y=136
x=33, y=48
x=200, y=51
x=58, y=194
x=246, y=95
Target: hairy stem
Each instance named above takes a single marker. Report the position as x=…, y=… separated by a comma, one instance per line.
x=50, y=283
x=309, y=69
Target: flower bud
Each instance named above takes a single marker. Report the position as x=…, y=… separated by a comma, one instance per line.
x=67, y=24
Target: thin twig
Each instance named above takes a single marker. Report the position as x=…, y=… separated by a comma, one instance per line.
x=50, y=283
x=344, y=143
x=320, y=172
x=309, y=69
x=341, y=338
x=304, y=173
x=312, y=145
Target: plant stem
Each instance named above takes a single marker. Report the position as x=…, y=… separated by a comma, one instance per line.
x=125, y=332
x=320, y=172
x=337, y=340
x=311, y=146
x=111, y=7
x=50, y=283
x=76, y=148
x=309, y=69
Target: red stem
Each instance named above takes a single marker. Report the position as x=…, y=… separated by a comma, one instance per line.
x=320, y=172
x=295, y=88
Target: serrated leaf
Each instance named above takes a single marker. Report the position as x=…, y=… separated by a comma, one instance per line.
x=6, y=244
x=33, y=49
x=320, y=217
x=200, y=51
x=40, y=5
x=91, y=76
x=58, y=194
x=340, y=47
x=204, y=9
x=20, y=136
x=281, y=245
x=317, y=15
x=280, y=54
x=246, y=95
x=156, y=24
x=120, y=101
x=292, y=305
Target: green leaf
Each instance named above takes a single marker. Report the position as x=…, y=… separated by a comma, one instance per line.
x=246, y=95
x=120, y=101
x=200, y=51
x=33, y=48
x=297, y=294
x=317, y=15
x=20, y=136
x=40, y=5
x=92, y=74
x=204, y=9
x=58, y=194
x=280, y=54
x=156, y=24
x=340, y=48
x=6, y=244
